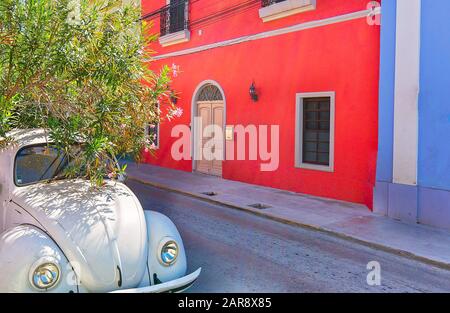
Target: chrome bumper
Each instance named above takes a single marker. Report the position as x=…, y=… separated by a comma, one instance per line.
x=177, y=285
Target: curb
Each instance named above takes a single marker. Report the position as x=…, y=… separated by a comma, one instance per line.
x=340, y=235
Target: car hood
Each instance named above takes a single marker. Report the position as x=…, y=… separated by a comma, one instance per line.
x=102, y=231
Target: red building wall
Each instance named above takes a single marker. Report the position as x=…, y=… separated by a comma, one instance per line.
x=341, y=57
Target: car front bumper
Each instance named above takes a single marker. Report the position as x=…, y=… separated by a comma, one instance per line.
x=177, y=285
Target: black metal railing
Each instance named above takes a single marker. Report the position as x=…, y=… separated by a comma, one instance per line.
x=174, y=17
x=266, y=3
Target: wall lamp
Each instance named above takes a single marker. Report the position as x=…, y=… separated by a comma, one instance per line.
x=253, y=93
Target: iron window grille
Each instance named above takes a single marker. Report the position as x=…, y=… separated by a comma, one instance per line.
x=174, y=17
x=210, y=93
x=152, y=134
x=266, y=3
x=316, y=131
x=152, y=131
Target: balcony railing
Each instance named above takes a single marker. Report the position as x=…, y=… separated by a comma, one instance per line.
x=266, y=3
x=174, y=17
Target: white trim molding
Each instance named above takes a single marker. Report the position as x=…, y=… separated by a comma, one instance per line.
x=407, y=78
x=277, y=32
x=286, y=8
x=299, y=130
x=175, y=38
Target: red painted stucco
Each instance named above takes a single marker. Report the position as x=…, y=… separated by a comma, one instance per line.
x=342, y=57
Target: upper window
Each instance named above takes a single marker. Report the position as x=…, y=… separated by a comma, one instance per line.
x=174, y=23
x=152, y=132
x=210, y=93
x=266, y=3
x=315, y=131
x=276, y=9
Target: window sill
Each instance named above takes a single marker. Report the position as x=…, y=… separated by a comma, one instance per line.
x=175, y=38
x=286, y=8
x=314, y=167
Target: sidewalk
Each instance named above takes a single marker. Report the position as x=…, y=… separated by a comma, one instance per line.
x=346, y=220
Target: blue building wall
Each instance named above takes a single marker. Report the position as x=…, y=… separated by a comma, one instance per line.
x=386, y=93
x=429, y=201
x=434, y=115
x=434, y=98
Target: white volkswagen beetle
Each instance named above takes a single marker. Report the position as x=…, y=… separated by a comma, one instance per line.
x=65, y=236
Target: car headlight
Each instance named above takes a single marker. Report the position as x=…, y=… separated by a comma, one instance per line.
x=45, y=274
x=168, y=252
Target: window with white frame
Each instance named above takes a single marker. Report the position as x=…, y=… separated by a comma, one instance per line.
x=276, y=9
x=152, y=132
x=314, y=140
x=174, y=23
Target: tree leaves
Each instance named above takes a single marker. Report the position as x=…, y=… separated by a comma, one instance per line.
x=79, y=70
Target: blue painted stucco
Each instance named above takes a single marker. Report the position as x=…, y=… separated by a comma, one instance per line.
x=429, y=202
x=434, y=98
x=386, y=92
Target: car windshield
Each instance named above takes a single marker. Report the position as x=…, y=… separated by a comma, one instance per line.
x=38, y=163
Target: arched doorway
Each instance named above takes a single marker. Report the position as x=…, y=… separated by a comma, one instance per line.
x=209, y=107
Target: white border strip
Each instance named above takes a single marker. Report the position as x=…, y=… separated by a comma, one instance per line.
x=273, y=33
x=407, y=84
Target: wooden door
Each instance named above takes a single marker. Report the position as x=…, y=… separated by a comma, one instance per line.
x=211, y=113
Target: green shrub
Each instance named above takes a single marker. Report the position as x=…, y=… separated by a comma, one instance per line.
x=79, y=69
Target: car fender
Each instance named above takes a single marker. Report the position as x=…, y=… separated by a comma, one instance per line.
x=159, y=228
x=24, y=247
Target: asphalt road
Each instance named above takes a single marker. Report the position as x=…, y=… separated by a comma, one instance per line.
x=241, y=252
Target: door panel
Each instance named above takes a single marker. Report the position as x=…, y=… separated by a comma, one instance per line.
x=211, y=113
x=218, y=119
x=204, y=112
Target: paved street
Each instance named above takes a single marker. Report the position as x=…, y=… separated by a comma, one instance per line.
x=241, y=252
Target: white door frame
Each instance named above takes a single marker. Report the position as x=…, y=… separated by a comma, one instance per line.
x=194, y=113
